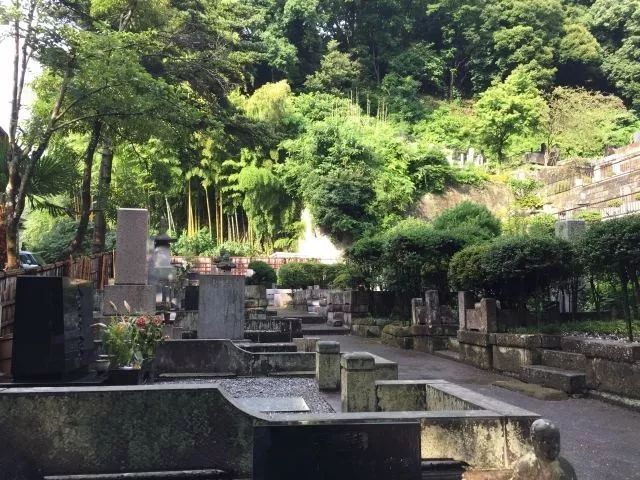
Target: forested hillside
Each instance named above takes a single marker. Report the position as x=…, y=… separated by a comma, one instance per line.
x=231, y=116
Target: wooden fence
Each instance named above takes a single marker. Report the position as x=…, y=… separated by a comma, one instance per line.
x=97, y=268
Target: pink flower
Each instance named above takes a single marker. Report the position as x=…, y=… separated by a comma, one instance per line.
x=141, y=322
x=157, y=320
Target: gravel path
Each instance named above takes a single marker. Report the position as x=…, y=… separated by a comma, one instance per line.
x=272, y=387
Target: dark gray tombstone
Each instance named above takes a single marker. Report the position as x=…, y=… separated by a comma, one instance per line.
x=357, y=451
x=191, y=297
x=52, y=336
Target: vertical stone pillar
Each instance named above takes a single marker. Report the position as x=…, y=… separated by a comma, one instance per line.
x=465, y=301
x=131, y=267
x=432, y=302
x=328, y=365
x=357, y=382
x=489, y=314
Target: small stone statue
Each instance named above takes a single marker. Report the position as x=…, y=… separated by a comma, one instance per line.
x=545, y=462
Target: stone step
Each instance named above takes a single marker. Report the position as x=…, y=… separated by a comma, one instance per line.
x=569, y=381
x=454, y=344
x=316, y=330
x=442, y=470
x=184, y=474
x=450, y=354
x=195, y=376
x=297, y=374
x=561, y=359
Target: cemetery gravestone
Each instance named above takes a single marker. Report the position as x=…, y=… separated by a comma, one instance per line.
x=131, y=267
x=52, y=337
x=357, y=451
x=191, y=297
x=221, y=307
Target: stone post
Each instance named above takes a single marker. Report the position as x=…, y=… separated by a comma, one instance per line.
x=357, y=382
x=465, y=301
x=328, y=365
x=432, y=302
x=489, y=314
x=131, y=268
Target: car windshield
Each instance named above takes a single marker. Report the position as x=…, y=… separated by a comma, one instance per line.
x=24, y=258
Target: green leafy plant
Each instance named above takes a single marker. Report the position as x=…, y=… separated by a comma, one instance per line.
x=131, y=339
x=263, y=274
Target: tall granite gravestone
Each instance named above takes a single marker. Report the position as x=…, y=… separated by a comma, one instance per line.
x=52, y=336
x=357, y=451
x=221, y=307
x=131, y=268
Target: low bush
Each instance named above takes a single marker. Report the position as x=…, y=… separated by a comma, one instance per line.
x=263, y=274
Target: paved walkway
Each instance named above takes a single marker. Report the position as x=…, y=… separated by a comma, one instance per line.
x=602, y=441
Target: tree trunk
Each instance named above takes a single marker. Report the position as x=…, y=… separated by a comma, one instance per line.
x=206, y=196
x=625, y=301
x=104, y=183
x=85, y=195
x=595, y=295
x=636, y=288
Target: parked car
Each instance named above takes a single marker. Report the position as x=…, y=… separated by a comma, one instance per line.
x=30, y=260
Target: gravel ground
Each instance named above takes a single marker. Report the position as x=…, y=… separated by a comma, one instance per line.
x=272, y=387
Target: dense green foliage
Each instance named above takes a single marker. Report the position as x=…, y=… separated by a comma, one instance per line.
x=513, y=269
x=611, y=249
x=263, y=274
x=229, y=118
x=414, y=255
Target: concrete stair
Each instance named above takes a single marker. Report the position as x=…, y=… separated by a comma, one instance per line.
x=324, y=329
x=562, y=359
x=569, y=381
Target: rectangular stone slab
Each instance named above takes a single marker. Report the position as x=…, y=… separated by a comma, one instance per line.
x=131, y=246
x=357, y=451
x=274, y=404
x=221, y=307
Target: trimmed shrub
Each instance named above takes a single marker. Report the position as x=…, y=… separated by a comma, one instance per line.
x=263, y=274
x=471, y=221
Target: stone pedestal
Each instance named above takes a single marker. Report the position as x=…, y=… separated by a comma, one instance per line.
x=465, y=302
x=357, y=382
x=221, y=307
x=328, y=365
x=141, y=299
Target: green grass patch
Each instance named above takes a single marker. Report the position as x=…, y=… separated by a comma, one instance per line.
x=592, y=327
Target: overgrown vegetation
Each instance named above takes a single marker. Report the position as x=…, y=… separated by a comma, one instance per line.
x=231, y=117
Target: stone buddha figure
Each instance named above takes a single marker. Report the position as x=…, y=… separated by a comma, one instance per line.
x=545, y=462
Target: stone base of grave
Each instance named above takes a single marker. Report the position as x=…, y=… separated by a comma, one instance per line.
x=430, y=344
x=141, y=299
x=512, y=359
x=397, y=336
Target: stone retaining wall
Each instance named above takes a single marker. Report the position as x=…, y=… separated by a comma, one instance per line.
x=223, y=356
x=97, y=430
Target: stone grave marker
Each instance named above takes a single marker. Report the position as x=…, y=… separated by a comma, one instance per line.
x=52, y=336
x=221, y=307
x=131, y=267
x=357, y=451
